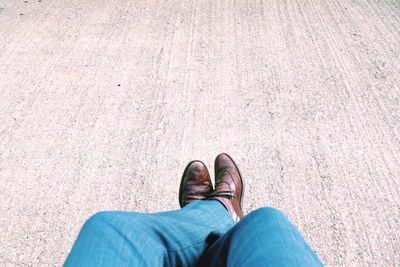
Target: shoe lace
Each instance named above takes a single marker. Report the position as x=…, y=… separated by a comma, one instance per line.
x=224, y=194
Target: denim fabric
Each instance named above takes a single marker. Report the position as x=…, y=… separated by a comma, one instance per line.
x=202, y=233
x=174, y=238
x=265, y=237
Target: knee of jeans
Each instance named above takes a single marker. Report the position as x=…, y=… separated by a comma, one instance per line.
x=267, y=213
x=98, y=220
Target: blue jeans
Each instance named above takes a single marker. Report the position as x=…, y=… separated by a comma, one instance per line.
x=200, y=234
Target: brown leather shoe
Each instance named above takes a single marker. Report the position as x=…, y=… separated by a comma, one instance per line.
x=229, y=186
x=195, y=183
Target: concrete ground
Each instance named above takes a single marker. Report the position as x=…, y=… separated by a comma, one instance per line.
x=102, y=104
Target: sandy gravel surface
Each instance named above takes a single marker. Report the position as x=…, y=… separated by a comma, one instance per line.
x=102, y=104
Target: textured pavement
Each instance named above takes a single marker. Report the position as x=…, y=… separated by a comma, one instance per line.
x=102, y=104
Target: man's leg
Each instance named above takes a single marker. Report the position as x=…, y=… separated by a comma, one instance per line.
x=175, y=238
x=265, y=237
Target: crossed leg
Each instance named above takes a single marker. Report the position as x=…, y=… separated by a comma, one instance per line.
x=175, y=238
